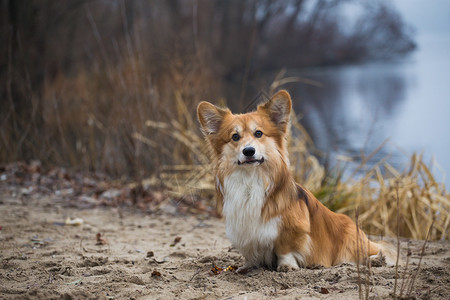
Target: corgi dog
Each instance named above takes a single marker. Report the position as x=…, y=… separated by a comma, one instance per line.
x=270, y=219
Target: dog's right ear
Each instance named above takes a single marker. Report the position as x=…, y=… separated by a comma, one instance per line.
x=210, y=117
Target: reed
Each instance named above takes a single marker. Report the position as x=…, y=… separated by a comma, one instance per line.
x=421, y=200
x=117, y=118
x=126, y=107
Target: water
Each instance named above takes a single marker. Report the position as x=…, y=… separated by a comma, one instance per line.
x=360, y=107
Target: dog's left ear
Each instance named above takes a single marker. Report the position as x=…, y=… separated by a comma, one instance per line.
x=278, y=109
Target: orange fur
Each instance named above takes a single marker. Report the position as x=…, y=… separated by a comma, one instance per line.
x=290, y=222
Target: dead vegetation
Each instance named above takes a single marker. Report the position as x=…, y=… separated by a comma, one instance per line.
x=422, y=200
x=80, y=77
x=123, y=102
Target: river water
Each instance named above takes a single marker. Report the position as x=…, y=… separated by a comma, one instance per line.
x=407, y=103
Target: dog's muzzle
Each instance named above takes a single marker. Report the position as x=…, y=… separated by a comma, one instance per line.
x=249, y=153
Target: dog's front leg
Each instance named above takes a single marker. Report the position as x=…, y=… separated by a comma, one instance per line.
x=287, y=262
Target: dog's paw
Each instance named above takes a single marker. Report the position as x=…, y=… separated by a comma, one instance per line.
x=289, y=262
x=245, y=269
x=287, y=268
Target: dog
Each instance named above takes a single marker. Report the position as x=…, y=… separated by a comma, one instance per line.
x=270, y=219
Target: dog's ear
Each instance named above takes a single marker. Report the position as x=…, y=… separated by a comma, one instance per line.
x=210, y=117
x=278, y=108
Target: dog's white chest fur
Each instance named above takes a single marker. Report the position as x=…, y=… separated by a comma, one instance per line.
x=244, y=197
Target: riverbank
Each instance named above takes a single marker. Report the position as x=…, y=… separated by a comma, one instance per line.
x=118, y=253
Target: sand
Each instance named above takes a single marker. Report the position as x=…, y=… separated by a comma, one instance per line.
x=125, y=253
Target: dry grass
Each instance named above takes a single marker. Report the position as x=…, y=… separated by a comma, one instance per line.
x=88, y=119
x=196, y=178
x=128, y=111
x=421, y=199
x=128, y=124
x=117, y=118
x=188, y=178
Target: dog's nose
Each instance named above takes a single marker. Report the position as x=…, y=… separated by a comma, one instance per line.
x=249, y=151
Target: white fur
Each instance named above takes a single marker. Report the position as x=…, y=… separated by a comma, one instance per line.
x=288, y=260
x=244, y=197
x=219, y=185
x=294, y=260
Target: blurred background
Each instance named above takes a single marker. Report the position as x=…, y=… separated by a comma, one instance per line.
x=80, y=77
x=112, y=86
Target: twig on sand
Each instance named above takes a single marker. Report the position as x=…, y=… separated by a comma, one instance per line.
x=195, y=274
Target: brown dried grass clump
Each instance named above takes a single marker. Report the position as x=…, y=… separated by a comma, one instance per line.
x=89, y=119
x=422, y=201
x=194, y=175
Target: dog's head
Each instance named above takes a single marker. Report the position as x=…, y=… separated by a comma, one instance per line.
x=252, y=139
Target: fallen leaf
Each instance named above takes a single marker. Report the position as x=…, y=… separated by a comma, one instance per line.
x=231, y=268
x=324, y=290
x=100, y=240
x=175, y=241
x=156, y=273
x=217, y=270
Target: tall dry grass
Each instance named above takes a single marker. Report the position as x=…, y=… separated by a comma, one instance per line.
x=422, y=201
x=120, y=120
x=88, y=119
x=80, y=77
x=129, y=112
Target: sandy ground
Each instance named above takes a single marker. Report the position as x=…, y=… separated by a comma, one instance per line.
x=167, y=255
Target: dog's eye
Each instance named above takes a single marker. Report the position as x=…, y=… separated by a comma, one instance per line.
x=235, y=137
x=258, y=133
